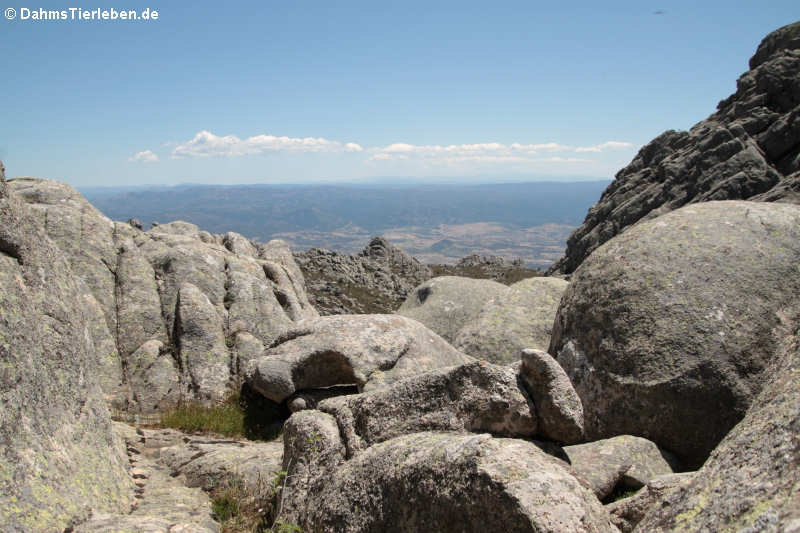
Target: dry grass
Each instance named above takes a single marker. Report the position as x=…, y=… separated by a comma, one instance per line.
x=242, y=415
x=226, y=418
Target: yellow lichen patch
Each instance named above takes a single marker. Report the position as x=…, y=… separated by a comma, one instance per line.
x=751, y=516
x=683, y=520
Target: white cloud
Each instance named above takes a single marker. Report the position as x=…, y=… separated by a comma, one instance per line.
x=608, y=145
x=492, y=152
x=428, y=156
x=353, y=147
x=145, y=157
x=205, y=144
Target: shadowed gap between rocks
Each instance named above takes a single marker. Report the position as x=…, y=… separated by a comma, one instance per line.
x=323, y=369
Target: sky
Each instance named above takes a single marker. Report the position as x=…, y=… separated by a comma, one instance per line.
x=307, y=92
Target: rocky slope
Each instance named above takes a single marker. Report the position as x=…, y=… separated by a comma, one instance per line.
x=175, y=311
x=748, y=149
x=506, y=271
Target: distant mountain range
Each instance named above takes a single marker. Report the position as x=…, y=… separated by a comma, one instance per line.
x=441, y=223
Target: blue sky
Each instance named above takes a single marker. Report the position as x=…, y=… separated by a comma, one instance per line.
x=343, y=91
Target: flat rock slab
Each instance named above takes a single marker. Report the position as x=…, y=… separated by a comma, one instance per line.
x=628, y=512
x=369, y=351
x=209, y=463
x=163, y=504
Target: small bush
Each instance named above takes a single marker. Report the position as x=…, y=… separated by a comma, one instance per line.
x=227, y=505
x=250, y=509
x=240, y=509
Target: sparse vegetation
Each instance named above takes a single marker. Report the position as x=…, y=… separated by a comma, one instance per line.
x=226, y=418
x=246, y=509
x=620, y=493
x=251, y=509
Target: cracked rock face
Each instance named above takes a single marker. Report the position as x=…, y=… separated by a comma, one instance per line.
x=369, y=351
x=748, y=149
x=177, y=312
x=59, y=459
x=665, y=330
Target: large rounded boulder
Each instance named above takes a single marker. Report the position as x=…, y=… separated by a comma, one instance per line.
x=665, y=330
x=521, y=318
x=447, y=303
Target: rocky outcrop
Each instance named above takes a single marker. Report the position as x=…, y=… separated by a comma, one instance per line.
x=177, y=312
x=748, y=149
x=621, y=462
x=438, y=477
x=376, y=280
x=521, y=318
x=59, y=459
x=447, y=303
x=368, y=351
x=491, y=263
x=665, y=330
x=476, y=397
x=750, y=482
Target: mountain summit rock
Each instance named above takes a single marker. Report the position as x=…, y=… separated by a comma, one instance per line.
x=749, y=149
